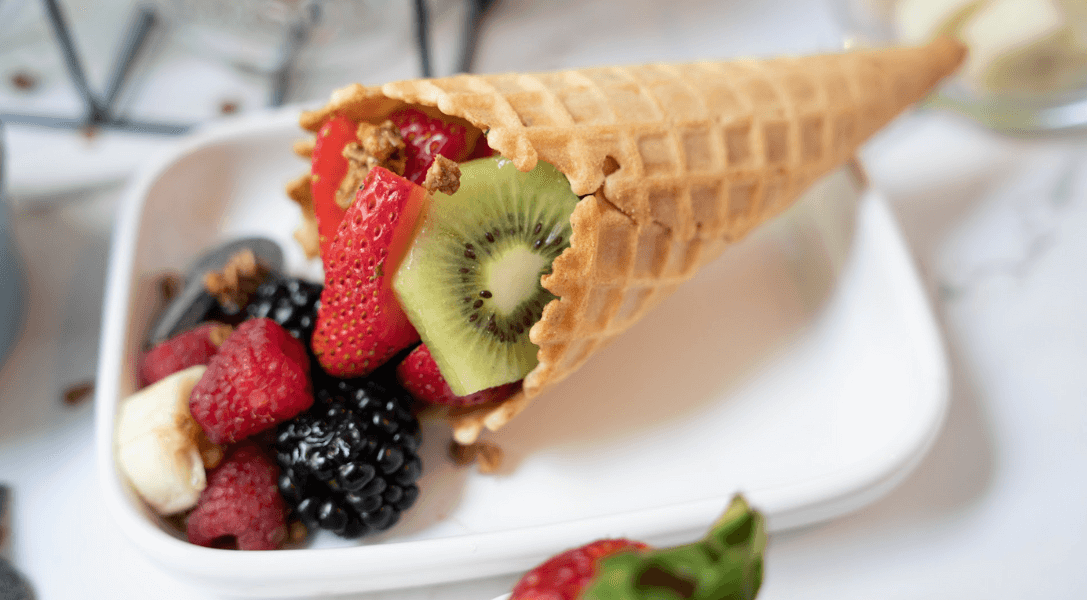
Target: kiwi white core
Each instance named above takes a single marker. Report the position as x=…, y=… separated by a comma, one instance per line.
x=512, y=278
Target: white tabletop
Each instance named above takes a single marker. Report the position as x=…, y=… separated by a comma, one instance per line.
x=996, y=224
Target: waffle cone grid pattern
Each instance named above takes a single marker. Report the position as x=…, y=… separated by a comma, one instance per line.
x=674, y=163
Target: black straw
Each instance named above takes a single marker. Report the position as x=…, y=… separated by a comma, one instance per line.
x=422, y=37
x=477, y=9
x=135, y=36
x=71, y=59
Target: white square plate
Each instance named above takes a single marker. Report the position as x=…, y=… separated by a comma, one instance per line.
x=803, y=368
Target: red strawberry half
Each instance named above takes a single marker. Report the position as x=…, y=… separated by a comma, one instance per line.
x=259, y=378
x=419, y=375
x=328, y=168
x=426, y=138
x=184, y=350
x=565, y=575
x=360, y=324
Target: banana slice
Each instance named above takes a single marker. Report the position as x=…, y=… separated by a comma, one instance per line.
x=158, y=443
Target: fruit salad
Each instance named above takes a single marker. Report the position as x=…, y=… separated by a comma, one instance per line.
x=294, y=405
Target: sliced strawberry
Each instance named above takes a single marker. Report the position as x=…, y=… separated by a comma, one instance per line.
x=419, y=375
x=328, y=168
x=360, y=324
x=427, y=137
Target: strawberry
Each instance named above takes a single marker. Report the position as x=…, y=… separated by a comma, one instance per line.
x=482, y=149
x=428, y=137
x=360, y=324
x=328, y=168
x=419, y=375
x=259, y=377
x=241, y=507
x=184, y=350
x=564, y=576
x=725, y=563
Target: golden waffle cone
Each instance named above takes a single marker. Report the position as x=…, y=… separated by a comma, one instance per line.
x=674, y=162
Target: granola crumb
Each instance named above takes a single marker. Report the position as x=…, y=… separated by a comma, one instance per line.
x=462, y=454
x=296, y=532
x=79, y=392
x=377, y=146
x=170, y=285
x=486, y=455
x=489, y=458
x=442, y=176
x=240, y=277
x=24, y=80
x=210, y=454
x=219, y=333
x=304, y=148
x=300, y=190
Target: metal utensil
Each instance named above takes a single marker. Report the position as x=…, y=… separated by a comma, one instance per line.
x=193, y=304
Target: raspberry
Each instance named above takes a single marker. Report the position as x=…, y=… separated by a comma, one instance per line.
x=259, y=378
x=564, y=576
x=184, y=350
x=241, y=507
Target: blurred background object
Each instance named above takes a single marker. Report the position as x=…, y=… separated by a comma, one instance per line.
x=11, y=272
x=275, y=37
x=121, y=87
x=1027, y=66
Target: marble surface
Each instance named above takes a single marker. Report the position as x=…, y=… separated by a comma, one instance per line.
x=996, y=225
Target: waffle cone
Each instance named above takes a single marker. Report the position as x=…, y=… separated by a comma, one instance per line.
x=673, y=162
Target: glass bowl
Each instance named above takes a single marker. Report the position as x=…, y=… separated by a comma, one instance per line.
x=1026, y=77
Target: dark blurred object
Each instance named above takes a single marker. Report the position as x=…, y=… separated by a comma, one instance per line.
x=5, y=498
x=477, y=10
x=12, y=584
x=422, y=37
x=99, y=111
x=78, y=393
x=11, y=271
x=193, y=304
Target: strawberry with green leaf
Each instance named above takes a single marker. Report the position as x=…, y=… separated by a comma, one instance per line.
x=726, y=564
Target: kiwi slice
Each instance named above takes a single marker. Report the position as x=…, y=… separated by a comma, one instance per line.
x=471, y=281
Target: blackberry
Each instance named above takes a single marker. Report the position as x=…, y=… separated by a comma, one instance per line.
x=291, y=302
x=351, y=462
